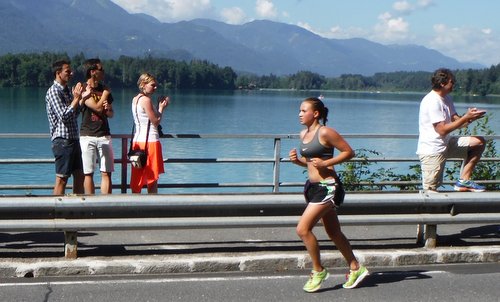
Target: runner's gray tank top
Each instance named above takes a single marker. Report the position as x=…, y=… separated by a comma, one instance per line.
x=315, y=149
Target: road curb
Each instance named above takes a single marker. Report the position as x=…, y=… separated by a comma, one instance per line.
x=238, y=262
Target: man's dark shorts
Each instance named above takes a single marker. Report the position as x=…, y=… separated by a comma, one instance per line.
x=68, y=156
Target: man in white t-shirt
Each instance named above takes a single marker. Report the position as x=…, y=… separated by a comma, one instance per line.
x=437, y=119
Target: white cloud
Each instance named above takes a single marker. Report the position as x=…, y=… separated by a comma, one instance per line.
x=467, y=44
x=487, y=31
x=425, y=3
x=233, y=15
x=338, y=32
x=265, y=9
x=390, y=29
x=307, y=26
x=131, y=6
x=169, y=10
x=405, y=7
x=402, y=6
x=335, y=32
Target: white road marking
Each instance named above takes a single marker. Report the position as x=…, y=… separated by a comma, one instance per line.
x=159, y=280
x=190, y=279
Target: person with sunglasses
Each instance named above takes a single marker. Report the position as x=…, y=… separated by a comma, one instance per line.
x=95, y=134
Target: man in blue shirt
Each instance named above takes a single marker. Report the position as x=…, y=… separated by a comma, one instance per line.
x=63, y=107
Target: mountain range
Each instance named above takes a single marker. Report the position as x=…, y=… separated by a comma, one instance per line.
x=103, y=29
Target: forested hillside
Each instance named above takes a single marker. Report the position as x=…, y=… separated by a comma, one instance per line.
x=34, y=70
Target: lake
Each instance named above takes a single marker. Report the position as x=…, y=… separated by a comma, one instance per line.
x=226, y=112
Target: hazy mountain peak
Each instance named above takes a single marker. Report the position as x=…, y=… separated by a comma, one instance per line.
x=102, y=28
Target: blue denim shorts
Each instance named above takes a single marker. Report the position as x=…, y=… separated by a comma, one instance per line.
x=68, y=156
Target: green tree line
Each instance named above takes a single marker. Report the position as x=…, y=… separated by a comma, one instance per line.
x=469, y=82
x=34, y=70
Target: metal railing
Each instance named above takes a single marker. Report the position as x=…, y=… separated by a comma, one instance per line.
x=73, y=214
x=276, y=161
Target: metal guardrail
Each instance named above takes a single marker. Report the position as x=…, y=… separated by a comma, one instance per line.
x=72, y=214
x=277, y=160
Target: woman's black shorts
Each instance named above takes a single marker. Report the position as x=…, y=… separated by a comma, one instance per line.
x=328, y=190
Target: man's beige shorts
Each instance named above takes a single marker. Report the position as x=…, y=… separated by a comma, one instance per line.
x=433, y=164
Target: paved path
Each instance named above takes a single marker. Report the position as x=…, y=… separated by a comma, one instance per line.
x=443, y=283
x=247, y=250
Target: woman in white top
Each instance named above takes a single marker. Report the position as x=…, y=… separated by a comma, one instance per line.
x=145, y=114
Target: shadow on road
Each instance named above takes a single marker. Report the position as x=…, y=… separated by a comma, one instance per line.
x=51, y=244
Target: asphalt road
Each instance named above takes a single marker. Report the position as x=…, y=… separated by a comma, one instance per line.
x=182, y=242
x=454, y=283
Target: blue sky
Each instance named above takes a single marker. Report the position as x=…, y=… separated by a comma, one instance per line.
x=467, y=30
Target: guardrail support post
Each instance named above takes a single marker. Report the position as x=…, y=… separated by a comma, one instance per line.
x=276, y=168
x=420, y=234
x=430, y=235
x=124, y=163
x=70, y=245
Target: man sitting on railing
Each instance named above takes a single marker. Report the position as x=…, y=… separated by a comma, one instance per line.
x=437, y=119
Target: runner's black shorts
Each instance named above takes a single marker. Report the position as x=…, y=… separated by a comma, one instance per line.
x=328, y=190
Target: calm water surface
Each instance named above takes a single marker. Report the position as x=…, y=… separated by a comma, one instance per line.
x=238, y=112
